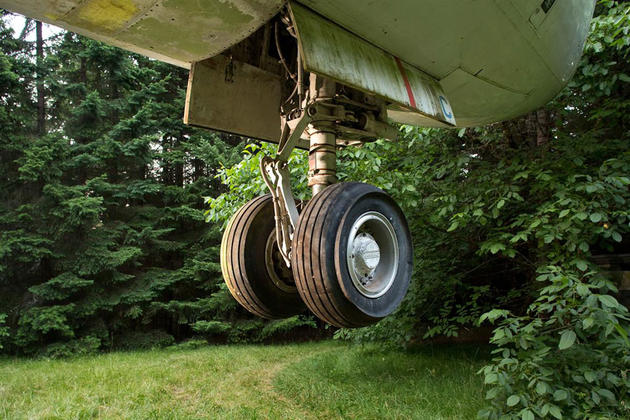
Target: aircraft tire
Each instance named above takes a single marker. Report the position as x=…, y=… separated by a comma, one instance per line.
x=337, y=271
x=252, y=266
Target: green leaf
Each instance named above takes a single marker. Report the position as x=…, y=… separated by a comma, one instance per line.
x=587, y=323
x=453, y=226
x=608, y=301
x=491, y=378
x=560, y=395
x=581, y=265
x=596, y=217
x=527, y=415
x=541, y=388
x=513, y=400
x=563, y=213
x=624, y=77
x=606, y=394
x=582, y=289
x=544, y=410
x=616, y=236
x=581, y=215
x=567, y=338
x=554, y=410
x=590, y=376
x=493, y=315
x=622, y=332
x=499, y=334
x=496, y=247
x=492, y=393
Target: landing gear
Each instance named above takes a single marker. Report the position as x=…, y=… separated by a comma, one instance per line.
x=352, y=255
x=252, y=265
x=348, y=254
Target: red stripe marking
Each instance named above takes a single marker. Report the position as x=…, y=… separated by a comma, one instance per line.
x=412, y=99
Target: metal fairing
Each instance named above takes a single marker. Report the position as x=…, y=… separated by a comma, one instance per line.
x=495, y=59
x=331, y=51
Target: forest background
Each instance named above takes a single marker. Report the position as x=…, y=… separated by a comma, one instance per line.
x=111, y=213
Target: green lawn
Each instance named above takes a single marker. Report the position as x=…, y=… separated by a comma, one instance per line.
x=317, y=380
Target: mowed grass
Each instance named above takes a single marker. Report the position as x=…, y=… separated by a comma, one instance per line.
x=311, y=381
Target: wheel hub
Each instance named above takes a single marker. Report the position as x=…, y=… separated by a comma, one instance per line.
x=365, y=256
x=372, y=254
x=277, y=269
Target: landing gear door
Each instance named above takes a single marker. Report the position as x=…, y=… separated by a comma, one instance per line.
x=235, y=97
x=331, y=51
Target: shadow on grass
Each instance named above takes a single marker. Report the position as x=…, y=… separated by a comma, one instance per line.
x=428, y=382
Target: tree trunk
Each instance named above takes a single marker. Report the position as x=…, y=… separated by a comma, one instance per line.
x=41, y=98
x=199, y=167
x=543, y=134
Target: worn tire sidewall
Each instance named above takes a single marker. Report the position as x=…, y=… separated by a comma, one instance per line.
x=370, y=198
x=258, y=229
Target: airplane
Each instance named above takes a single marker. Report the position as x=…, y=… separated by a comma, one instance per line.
x=322, y=75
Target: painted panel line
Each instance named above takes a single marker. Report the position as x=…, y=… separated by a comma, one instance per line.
x=403, y=73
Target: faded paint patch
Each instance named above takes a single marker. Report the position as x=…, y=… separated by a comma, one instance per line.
x=175, y=31
x=170, y=39
x=107, y=14
x=189, y=28
x=225, y=12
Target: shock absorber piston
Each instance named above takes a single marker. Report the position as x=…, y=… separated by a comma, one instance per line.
x=322, y=155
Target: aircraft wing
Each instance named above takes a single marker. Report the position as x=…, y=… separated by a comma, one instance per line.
x=174, y=31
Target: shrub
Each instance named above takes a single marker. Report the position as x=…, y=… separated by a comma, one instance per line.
x=568, y=356
x=139, y=340
x=283, y=327
x=73, y=348
x=191, y=344
x=211, y=328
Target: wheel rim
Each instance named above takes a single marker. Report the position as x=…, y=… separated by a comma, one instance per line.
x=372, y=254
x=277, y=269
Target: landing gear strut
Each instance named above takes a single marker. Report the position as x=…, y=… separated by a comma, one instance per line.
x=348, y=251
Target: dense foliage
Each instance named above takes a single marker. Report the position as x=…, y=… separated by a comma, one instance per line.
x=509, y=216
x=103, y=243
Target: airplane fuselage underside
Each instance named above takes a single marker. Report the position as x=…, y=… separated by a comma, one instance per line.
x=494, y=59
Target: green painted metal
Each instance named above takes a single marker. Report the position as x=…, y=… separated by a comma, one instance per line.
x=494, y=59
x=329, y=50
x=175, y=31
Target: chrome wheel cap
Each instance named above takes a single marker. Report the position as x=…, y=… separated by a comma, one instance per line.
x=372, y=254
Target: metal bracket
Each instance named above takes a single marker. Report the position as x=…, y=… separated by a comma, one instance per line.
x=275, y=173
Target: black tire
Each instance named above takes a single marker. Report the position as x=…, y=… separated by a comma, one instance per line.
x=248, y=277
x=320, y=251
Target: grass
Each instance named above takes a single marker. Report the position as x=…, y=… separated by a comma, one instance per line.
x=310, y=381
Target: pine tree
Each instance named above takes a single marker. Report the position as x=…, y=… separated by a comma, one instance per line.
x=102, y=229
